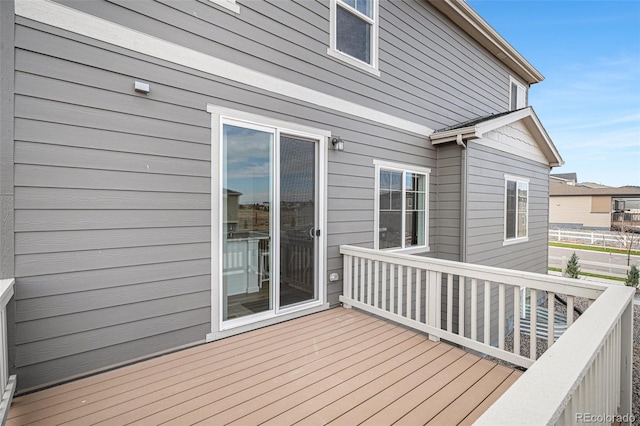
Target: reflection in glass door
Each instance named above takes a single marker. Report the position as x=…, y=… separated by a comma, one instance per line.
x=297, y=221
x=247, y=218
x=270, y=236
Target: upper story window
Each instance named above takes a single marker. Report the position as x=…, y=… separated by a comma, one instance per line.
x=517, y=95
x=516, y=223
x=401, y=206
x=354, y=33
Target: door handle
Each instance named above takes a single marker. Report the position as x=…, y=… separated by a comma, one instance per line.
x=314, y=232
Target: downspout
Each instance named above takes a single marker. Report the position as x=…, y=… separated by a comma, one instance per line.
x=463, y=199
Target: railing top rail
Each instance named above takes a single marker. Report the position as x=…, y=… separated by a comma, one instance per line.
x=543, y=391
x=543, y=282
x=6, y=290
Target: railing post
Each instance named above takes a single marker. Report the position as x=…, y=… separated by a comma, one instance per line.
x=347, y=278
x=433, y=301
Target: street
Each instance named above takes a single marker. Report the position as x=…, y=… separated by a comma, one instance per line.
x=593, y=256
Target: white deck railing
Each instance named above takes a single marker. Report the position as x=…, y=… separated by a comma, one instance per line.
x=480, y=307
x=7, y=383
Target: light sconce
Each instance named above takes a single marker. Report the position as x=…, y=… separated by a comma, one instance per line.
x=141, y=87
x=338, y=143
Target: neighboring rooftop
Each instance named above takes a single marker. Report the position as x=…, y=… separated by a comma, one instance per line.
x=559, y=187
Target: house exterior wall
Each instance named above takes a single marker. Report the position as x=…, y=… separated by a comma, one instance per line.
x=113, y=188
x=577, y=212
x=486, y=219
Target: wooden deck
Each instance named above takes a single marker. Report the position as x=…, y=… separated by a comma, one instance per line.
x=340, y=366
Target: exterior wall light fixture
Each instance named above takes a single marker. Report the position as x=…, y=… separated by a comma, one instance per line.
x=338, y=143
x=141, y=87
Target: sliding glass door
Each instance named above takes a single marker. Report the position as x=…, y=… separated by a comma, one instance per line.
x=269, y=213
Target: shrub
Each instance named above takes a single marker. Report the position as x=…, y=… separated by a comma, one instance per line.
x=573, y=267
x=633, y=276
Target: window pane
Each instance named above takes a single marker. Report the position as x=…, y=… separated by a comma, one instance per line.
x=353, y=35
x=511, y=209
x=363, y=6
x=514, y=96
x=396, y=200
x=523, y=190
x=414, y=228
x=390, y=229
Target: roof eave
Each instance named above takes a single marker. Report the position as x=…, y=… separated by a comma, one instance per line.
x=466, y=18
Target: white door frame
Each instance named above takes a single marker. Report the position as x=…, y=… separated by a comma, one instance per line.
x=220, y=328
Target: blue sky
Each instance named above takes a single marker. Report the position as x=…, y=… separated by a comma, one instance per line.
x=589, y=102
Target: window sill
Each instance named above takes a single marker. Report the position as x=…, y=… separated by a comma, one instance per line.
x=353, y=62
x=515, y=241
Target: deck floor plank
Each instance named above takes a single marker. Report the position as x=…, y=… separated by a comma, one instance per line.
x=248, y=400
x=339, y=366
x=218, y=370
x=322, y=389
x=129, y=374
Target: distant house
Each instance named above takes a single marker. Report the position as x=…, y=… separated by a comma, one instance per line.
x=182, y=171
x=589, y=205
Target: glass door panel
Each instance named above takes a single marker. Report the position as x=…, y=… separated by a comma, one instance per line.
x=247, y=220
x=297, y=221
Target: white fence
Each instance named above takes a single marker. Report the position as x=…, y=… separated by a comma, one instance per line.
x=7, y=384
x=601, y=239
x=602, y=268
x=479, y=306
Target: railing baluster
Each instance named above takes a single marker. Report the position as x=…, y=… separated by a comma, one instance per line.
x=400, y=289
x=461, y=295
x=533, y=342
x=369, y=281
x=437, y=287
x=551, y=307
x=363, y=273
x=376, y=283
x=487, y=312
x=474, y=309
x=450, y=302
x=418, y=294
x=384, y=285
x=569, y=310
x=501, y=318
x=516, y=320
x=409, y=290
x=392, y=287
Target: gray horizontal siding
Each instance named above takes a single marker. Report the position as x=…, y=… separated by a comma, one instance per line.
x=448, y=203
x=113, y=199
x=289, y=40
x=485, y=200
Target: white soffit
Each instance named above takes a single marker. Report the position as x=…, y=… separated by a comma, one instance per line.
x=526, y=116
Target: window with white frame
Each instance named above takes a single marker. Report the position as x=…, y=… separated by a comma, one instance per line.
x=517, y=95
x=401, y=206
x=516, y=222
x=354, y=32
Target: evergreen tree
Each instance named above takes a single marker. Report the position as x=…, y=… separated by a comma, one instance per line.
x=633, y=276
x=573, y=268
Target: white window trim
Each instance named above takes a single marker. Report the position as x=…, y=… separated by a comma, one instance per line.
x=387, y=165
x=228, y=4
x=335, y=53
x=520, y=103
x=516, y=240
